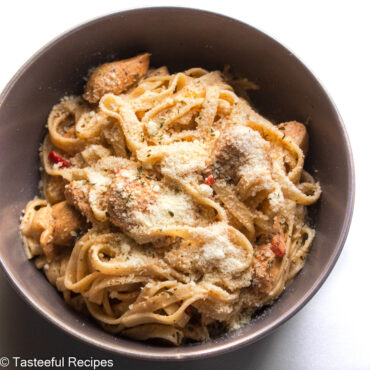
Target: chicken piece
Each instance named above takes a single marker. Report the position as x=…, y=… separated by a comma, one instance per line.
x=50, y=227
x=77, y=194
x=297, y=132
x=142, y=206
x=40, y=222
x=268, y=256
x=67, y=223
x=227, y=156
x=115, y=77
x=266, y=266
x=128, y=204
x=240, y=151
x=54, y=227
x=242, y=157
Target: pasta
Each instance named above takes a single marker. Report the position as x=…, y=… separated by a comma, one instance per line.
x=170, y=209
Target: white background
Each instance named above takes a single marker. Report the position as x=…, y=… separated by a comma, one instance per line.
x=332, y=39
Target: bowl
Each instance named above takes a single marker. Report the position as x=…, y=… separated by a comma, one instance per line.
x=179, y=38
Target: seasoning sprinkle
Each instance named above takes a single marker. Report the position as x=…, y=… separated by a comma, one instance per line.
x=200, y=278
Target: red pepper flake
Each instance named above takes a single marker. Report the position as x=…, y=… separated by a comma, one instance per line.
x=56, y=158
x=210, y=180
x=278, y=246
x=117, y=171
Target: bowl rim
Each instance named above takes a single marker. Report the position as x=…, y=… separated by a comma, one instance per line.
x=218, y=348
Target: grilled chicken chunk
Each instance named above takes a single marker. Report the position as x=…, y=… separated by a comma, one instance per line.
x=77, y=194
x=115, y=77
x=128, y=204
x=67, y=223
x=239, y=151
x=143, y=206
x=55, y=227
x=266, y=266
x=297, y=132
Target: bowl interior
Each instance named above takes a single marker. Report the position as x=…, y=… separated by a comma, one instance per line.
x=180, y=39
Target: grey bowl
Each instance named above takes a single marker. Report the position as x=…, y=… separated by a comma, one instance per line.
x=179, y=38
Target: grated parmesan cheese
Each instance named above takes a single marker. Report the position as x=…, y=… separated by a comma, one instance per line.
x=219, y=252
x=184, y=158
x=97, y=178
x=205, y=190
x=168, y=210
x=152, y=128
